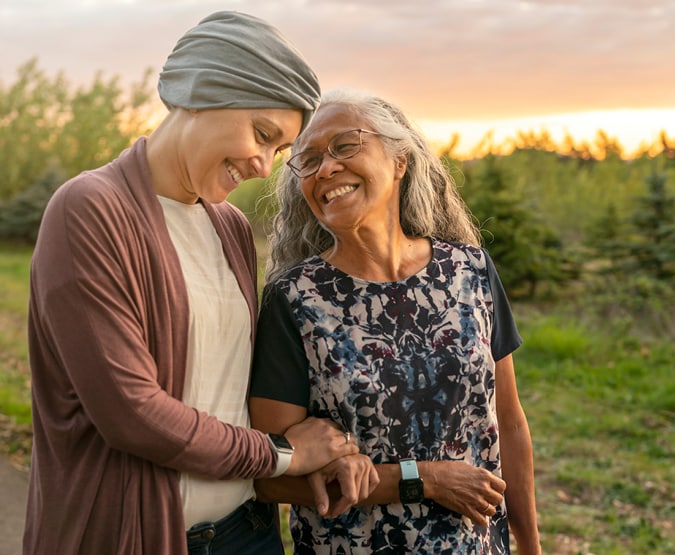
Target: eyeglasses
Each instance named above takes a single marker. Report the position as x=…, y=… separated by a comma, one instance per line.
x=341, y=147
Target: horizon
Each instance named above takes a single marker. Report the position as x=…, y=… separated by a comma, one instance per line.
x=485, y=66
x=635, y=131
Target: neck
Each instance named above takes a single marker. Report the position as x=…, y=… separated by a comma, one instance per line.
x=383, y=257
x=165, y=162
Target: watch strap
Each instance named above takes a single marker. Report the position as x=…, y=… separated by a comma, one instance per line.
x=283, y=458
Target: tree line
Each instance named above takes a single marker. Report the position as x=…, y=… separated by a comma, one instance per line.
x=550, y=215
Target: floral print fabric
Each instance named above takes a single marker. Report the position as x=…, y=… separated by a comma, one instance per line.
x=407, y=368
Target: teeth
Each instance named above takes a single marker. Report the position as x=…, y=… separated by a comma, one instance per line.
x=238, y=178
x=339, y=192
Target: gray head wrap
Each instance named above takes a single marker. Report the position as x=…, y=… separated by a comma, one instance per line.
x=234, y=60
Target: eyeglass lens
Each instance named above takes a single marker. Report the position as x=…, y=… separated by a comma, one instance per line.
x=342, y=146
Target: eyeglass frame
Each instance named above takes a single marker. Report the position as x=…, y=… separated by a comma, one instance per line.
x=328, y=149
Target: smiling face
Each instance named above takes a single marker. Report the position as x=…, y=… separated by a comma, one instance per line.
x=358, y=193
x=218, y=149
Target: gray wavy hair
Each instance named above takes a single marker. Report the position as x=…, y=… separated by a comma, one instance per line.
x=430, y=205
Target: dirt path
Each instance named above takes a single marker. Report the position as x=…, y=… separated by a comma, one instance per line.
x=13, y=489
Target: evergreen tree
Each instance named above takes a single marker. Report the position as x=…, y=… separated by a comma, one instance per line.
x=643, y=243
x=525, y=250
x=651, y=245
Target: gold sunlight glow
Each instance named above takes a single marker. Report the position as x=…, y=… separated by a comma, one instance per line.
x=634, y=130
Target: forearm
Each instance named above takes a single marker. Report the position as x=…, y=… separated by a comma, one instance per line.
x=444, y=482
x=456, y=485
x=518, y=472
x=294, y=490
x=390, y=475
x=387, y=490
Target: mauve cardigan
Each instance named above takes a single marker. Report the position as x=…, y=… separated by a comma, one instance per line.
x=107, y=333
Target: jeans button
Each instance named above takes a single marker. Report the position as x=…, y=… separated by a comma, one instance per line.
x=208, y=534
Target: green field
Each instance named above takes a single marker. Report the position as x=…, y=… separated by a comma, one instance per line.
x=600, y=403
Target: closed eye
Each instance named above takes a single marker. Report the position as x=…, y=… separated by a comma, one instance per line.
x=310, y=159
x=346, y=148
x=262, y=136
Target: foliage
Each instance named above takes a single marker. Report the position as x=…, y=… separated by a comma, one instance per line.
x=255, y=198
x=653, y=223
x=526, y=250
x=20, y=217
x=641, y=243
x=45, y=124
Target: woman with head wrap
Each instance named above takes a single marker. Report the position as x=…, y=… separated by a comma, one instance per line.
x=142, y=312
x=395, y=325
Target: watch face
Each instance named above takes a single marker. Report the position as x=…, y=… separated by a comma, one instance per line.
x=280, y=442
x=411, y=491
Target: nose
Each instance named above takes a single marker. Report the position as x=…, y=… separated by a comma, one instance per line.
x=263, y=163
x=328, y=167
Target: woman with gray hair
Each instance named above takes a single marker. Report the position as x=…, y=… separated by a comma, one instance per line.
x=430, y=203
x=394, y=324
x=142, y=319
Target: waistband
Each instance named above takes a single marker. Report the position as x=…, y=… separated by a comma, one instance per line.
x=259, y=515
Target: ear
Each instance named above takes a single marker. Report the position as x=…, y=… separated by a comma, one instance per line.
x=400, y=167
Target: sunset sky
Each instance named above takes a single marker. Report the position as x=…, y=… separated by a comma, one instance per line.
x=456, y=66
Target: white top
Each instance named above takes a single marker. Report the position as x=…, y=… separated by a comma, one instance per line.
x=219, y=350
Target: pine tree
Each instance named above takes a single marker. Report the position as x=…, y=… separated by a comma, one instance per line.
x=651, y=244
x=525, y=250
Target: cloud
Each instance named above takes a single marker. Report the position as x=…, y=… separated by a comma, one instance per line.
x=442, y=58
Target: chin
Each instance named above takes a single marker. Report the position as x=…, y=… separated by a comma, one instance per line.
x=216, y=197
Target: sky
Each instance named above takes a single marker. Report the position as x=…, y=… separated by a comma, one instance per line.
x=470, y=67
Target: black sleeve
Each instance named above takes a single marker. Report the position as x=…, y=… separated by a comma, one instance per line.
x=279, y=361
x=505, y=337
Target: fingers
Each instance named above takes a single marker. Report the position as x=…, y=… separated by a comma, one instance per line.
x=486, y=506
x=342, y=505
x=356, y=477
x=370, y=482
x=350, y=477
x=474, y=492
x=493, y=497
x=321, y=499
x=317, y=442
x=481, y=513
x=497, y=483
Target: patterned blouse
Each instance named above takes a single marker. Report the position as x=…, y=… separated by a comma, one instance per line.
x=408, y=368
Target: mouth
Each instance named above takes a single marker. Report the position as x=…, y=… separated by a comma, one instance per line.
x=340, y=191
x=234, y=173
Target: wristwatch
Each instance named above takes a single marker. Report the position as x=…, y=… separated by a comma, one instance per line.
x=284, y=453
x=411, y=486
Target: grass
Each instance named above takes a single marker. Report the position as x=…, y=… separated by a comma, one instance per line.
x=600, y=404
x=15, y=415
x=601, y=412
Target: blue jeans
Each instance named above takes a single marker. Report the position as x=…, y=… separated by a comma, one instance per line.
x=248, y=530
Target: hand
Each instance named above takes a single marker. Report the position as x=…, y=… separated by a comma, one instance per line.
x=466, y=489
x=317, y=442
x=356, y=477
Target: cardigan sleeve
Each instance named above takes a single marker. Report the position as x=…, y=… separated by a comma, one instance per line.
x=101, y=329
